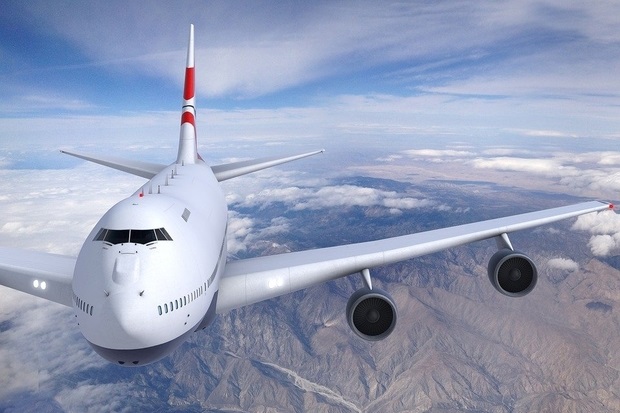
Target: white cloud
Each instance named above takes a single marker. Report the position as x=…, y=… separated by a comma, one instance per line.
x=544, y=166
x=334, y=196
x=605, y=229
x=508, y=152
x=599, y=223
x=390, y=158
x=609, y=158
x=46, y=203
x=436, y=153
x=604, y=245
x=239, y=228
x=564, y=264
x=87, y=397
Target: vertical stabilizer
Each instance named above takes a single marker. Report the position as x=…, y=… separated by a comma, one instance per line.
x=188, y=146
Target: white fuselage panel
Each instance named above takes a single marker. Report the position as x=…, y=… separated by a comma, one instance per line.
x=149, y=271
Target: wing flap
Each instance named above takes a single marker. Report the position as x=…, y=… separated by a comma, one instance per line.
x=234, y=169
x=144, y=169
x=256, y=279
x=40, y=274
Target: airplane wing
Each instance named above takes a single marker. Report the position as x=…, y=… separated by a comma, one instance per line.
x=256, y=279
x=234, y=169
x=37, y=273
x=144, y=169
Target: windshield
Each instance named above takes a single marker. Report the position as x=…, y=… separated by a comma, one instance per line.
x=136, y=236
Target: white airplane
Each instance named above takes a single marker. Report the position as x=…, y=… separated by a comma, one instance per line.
x=154, y=268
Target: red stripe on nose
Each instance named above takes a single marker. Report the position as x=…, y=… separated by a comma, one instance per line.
x=189, y=91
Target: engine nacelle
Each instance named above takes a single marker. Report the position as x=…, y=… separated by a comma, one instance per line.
x=371, y=314
x=512, y=273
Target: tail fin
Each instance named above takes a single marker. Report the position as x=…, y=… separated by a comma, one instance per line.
x=188, y=145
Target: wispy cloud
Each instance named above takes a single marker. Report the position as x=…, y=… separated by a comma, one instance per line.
x=249, y=49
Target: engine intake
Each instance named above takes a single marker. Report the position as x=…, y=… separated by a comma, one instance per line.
x=512, y=273
x=371, y=314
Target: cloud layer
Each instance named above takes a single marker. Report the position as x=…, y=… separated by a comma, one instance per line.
x=583, y=173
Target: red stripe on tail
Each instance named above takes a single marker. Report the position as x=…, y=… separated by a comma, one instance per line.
x=188, y=117
x=189, y=90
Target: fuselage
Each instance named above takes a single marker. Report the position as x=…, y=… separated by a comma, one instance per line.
x=147, y=275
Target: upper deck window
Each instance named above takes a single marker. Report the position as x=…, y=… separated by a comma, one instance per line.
x=136, y=236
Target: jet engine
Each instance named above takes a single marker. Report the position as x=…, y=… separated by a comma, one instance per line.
x=371, y=314
x=512, y=273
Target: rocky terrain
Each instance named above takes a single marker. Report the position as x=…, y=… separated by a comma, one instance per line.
x=458, y=345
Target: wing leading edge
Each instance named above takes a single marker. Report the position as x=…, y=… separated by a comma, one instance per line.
x=40, y=274
x=144, y=169
x=256, y=279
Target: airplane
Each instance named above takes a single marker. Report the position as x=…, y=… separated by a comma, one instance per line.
x=154, y=269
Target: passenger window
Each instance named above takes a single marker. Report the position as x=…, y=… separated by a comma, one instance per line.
x=142, y=236
x=159, y=309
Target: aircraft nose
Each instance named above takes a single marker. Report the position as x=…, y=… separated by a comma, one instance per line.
x=128, y=313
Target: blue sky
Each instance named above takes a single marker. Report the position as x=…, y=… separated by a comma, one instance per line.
x=543, y=68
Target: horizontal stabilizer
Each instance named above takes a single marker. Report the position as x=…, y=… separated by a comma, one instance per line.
x=139, y=168
x=234, y=169
x=37, y=273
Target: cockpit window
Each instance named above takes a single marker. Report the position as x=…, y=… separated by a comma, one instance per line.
x=162, y=235
x=136, y=236
x=117, y=236
x=100, y=235
x=142, y=236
